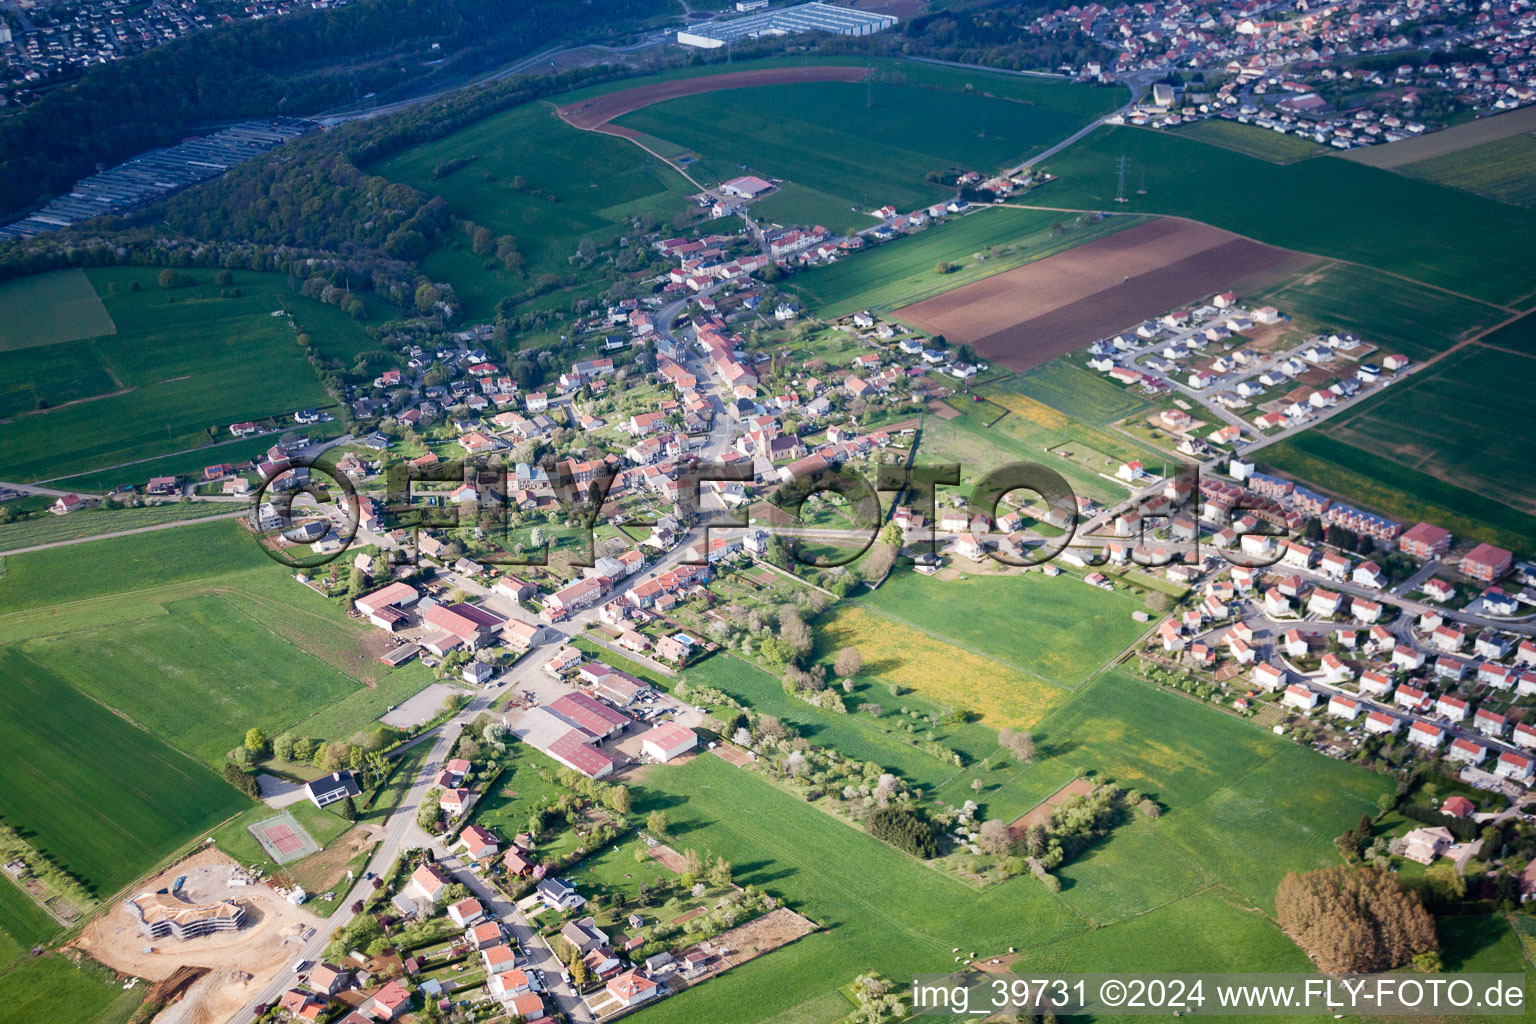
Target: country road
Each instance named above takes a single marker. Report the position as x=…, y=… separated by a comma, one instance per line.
x=126, y=533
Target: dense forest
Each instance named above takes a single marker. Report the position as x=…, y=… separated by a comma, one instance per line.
x=298, y=64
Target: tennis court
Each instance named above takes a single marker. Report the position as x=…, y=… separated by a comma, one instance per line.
x=284, y=838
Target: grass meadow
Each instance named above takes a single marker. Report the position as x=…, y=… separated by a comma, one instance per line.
x=1382, y=309
x=1251, y=140
x=1469, y=420
x=52, y=988
x=1443, y=445
x=1118, y=906
x=1331, y=207
x=1404, y=494
x=95, y=521
x=1068, y=386
x=22, y=924
x=1013, y=426
x=1056, y=628
x=177, y=367
x=44, y=579
x=47, y=309
x=1500, y=169
x=859, y=734
x=576, y=185
x=103, y=798
x=189, y=635
x=245, y=674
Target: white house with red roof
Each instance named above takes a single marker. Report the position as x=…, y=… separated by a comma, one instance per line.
x=388, y=1003
x=1340, y=706
x=466, y=912
x=1300, y=696
x=478, y=843
x=632, y=988
x=427, y=883
x=1468, y=751
x=1380, y=722
x=1426, y=734
x=1517, y=767
x=1453, y=708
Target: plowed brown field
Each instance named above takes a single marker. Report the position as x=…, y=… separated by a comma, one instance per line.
x=1034, y=313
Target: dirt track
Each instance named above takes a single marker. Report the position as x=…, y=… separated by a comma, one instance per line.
x=594, y=113
x=1027, y=316
x=1041, y=812
x=239, y=963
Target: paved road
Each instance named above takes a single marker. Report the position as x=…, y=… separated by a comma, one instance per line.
x=400, y=829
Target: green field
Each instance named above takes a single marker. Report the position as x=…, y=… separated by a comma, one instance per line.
x=859, y=735
x=1330, y=207
x=93, y=522
x=104, y=799
x=1397, y=491
x=178, y=366
x=1058, y=628
x=1444, y=445
x=22, y=924
x=870, y=146
x=1012, y=426
x=189, y=634
x=1503, y=169
x=594, y=185
x=1382, y=309
x=1251, y=140
x=47, y=309
x=1119, y=903
x=1067, y=385
x=52, y=988
x=904, y=270
x=42, y=579
x=243, y=673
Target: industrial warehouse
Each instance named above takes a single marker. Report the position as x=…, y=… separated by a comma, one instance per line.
x=811, y=17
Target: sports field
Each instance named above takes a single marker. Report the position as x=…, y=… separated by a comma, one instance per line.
x=103, y=798
x=47, y=309
x=179, y=364
x=1330, y=207
x=1251, y=140
x=872, y=143
x=1034, y=313
x=978, y=245
x=283, y=838
x=1382, y=309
